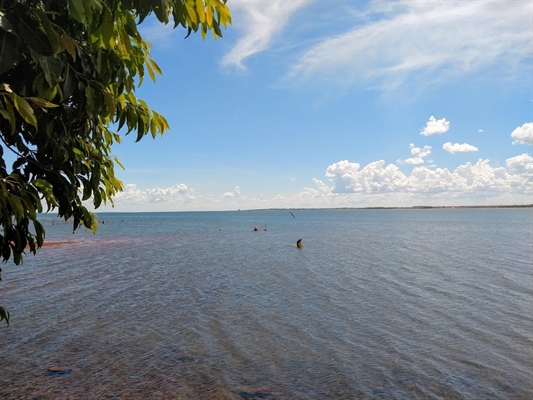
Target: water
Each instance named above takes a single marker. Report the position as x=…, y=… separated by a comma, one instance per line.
x=379, y=304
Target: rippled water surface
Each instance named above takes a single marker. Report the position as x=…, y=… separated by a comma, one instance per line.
x=378, y=304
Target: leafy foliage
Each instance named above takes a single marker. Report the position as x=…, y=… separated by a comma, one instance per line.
x=68, y=73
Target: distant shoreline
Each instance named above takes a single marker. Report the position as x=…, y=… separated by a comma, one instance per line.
x=394, y=208
x=321, y=208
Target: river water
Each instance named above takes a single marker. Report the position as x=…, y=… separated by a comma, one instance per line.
x=378, y=304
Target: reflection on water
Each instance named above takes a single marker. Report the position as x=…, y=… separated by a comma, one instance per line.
x=379, y=304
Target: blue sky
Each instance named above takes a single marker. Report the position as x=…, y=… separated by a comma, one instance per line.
x=339, y=104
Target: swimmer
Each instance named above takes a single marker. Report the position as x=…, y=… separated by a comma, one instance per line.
x=299, y=244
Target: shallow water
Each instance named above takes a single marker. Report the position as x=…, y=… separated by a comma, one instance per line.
x=378, y=304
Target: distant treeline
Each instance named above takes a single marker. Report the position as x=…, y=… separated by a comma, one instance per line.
x=424, y=207
x=396, y=208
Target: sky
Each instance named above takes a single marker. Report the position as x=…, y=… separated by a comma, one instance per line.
x=312, y=104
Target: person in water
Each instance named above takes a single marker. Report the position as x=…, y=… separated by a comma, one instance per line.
x=299, y=243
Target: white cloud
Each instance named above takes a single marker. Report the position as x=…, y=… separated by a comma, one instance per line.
x=480, y=130
x=435, y=126
x=323, y=190
x=419, y=154
x=260, y=22
x=372, y=178
x=521, y=165
x=322, y=187
x=467, y=179
x=420, y=151
x=348, y=184
x=176, y=194
x=440, y=39
x=236, y=193
x=523, y=134
x=412, y=161
x=458, y=148
x=293, y=179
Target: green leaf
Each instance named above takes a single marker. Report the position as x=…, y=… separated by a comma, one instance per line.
x=150, y=72
x=200, y=10
x=140, y=129
x=50, y=32
x=107, y=30
x=68, y=44
x=42, y=102
x=209, y=16
x=126, y=43
x=130, y=27
x=50, y=127
x=155, y=66
x=161, y=10
x=51, y=67
x=79, y=153
x=193, y=21
x=17, y=257
x=31, y=243
x=179, y=14
x=10, y=51
x=122, y=120
x=77, y=11
x=42, y=184
x=11, y=113
x=117, y=161
x=144, y=8
x=30, y=209
x=153, y=128
x=109, y=102
x=216, y=29
x=89, y=98
x=16, y=205
x=24, y=109
x=69, y=82
x=28, y=29
x=95, y=5
x=39, y=232
x=5, y=24
x=46, y=189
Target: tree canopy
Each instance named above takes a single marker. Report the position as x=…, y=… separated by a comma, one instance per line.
x=68, y=74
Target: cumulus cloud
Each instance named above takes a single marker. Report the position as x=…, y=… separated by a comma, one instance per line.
x=377, y=178
x=419, y=153
x=521, y=165
x=458, y=148
x=260, y=22
x=322, y=190
x=391, y=40
x=349, y=184
x=374, y=177
x=435, y=126
x=175, y=194
x=236, y=193
x=523, y=134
